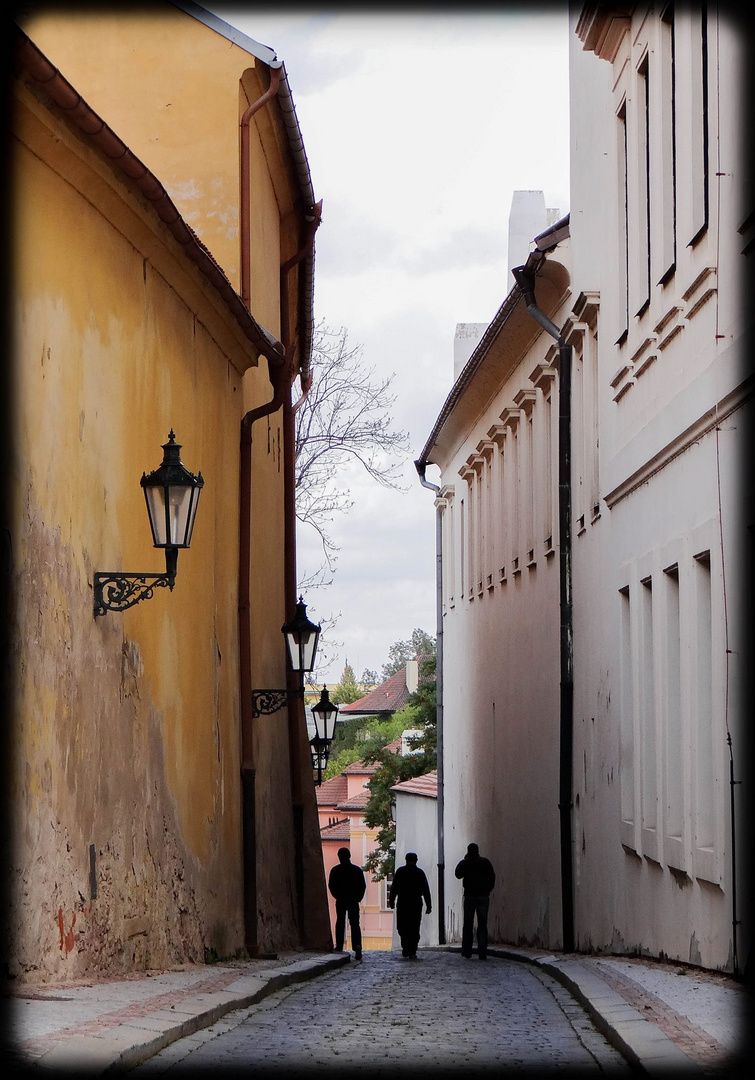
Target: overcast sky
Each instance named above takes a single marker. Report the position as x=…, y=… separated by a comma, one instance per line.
x=418, y=128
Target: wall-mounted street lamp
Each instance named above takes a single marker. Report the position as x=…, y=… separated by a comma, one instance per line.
x=302, y=637
x=321, y=728
x=172, y=496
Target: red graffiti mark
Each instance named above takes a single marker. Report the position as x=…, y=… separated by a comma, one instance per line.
x=66, y=940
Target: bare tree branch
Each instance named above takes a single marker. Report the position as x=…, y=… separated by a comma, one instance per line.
x=345, y=418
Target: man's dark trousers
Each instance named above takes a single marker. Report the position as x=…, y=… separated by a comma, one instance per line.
x=350, y=908
x=475, y=905
x=408, y=920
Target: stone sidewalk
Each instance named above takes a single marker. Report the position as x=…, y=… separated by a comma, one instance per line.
x=662, y=1017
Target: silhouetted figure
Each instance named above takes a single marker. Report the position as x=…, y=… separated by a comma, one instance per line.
x=347, y=884
x=409, y=888
x=478, y=876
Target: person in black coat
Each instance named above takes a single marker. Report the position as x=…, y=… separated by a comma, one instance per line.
x=409, y=887
x=478, y=876
x=347, y=884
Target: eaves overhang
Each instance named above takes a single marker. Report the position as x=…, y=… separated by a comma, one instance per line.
x=483, y=371
x=30, y=61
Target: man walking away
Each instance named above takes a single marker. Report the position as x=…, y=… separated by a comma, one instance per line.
x=347, y=884
x=409, y=887
x=478, y=876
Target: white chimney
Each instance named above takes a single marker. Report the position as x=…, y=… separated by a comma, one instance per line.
x=412, y=675
x=528, y=218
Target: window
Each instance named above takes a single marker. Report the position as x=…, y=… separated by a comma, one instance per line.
x=623, y=238
x=673, y=724
x=665, y=254
x=639, y=196
x=697, y=120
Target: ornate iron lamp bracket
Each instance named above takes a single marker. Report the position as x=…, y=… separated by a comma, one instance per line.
x=117, y=592
x=266, y=702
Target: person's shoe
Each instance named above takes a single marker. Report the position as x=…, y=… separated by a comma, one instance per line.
x=357, y=954
x=483, y=956
x=467, y=956
x=338, y=948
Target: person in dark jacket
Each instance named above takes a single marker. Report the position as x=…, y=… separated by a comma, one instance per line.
x=409, y=887
x=478, y=876
x=347, y=884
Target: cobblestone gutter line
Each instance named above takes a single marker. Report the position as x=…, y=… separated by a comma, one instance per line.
x=36, y=1047
x=700, y=1046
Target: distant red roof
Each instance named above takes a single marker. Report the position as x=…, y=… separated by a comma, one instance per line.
x=358, y=801
x=358, y=768
x=332, y=791
x=389, y=697
x=340, y=831
x=420, y=785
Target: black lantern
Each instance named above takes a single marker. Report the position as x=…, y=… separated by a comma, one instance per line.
x=302, y=637
x=172, y=496
x=321, y=729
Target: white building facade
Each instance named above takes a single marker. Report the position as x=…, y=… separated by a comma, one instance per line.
x=595, y=543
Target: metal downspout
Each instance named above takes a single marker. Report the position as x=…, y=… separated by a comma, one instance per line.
x=296, y=726
x=525, y=279
x=245, y=212
x=421, y=466
x=282, y=374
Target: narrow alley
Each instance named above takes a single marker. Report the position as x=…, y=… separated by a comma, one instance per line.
x=437, y=1014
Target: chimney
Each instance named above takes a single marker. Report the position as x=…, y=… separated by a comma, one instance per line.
x=527, y=219
x=412, y=675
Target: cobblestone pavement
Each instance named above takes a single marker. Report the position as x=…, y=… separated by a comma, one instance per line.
x=437, y=1014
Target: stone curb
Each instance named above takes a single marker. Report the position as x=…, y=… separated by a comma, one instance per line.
x=133, y=1042
x=641, y=1042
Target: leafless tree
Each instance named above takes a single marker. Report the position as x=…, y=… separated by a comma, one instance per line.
x=346, y=417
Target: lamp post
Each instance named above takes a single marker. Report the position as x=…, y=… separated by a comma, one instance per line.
x=172, y=496
x=321, y=728
x=302, y=637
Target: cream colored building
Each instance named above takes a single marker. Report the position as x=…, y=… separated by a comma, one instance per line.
x=156, y=818
x=595, y=646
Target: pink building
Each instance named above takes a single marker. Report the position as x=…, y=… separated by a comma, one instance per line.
x=340, y=804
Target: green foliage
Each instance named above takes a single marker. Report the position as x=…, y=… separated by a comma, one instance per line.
x=401, y=652
x=395, y=768
x=348, y=689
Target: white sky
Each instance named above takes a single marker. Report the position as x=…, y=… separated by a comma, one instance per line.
x=418, y=128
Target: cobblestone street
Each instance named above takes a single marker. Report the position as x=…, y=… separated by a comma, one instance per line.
x=438, y=1013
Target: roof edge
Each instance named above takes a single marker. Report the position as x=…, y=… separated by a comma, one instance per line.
x=545, y=241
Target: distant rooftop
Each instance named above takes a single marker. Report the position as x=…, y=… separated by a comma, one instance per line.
x=419, y=785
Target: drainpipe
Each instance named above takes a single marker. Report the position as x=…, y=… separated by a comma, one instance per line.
x=296, y=728
x=525, y=279
x=245, y=211
x=421, y=466
x=277, y=370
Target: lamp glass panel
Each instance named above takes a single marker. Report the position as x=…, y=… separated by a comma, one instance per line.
x=192, y=515
x=179, y=505
x=155, y=497
x=301, y=647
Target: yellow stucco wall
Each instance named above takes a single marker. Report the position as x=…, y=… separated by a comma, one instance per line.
x=139, y=70
x=127, y=726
